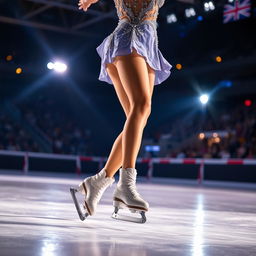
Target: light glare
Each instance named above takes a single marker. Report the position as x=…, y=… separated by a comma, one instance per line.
x=204, y=98
x=209, y=6
x=171, y=18
x=190, y=12
x=58, y=66
x=50, y=65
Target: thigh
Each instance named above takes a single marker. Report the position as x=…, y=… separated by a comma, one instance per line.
x=134, y=76
x=151, y=76
x=119, y=89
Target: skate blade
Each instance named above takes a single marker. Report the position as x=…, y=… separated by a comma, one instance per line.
x=122, y=217
x=81, y=215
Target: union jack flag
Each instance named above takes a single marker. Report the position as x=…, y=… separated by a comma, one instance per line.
x=240, y=9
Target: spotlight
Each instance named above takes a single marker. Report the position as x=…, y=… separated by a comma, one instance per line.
x=209, y=6
x=204, y=99
x=50, y=65
x=58, y=66
x=171, y=18
x=190, y=12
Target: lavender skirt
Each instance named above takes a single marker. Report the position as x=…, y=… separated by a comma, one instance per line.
x=143, y=37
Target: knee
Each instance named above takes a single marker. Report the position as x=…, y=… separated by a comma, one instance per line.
x=127, y=110
x=142, y=106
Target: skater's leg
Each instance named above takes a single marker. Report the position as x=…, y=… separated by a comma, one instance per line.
x=95, y=185
x=138, y=81
x=115, y=157
x=134, y=76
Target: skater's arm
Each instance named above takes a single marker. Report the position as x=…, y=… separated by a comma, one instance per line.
x=85, y=4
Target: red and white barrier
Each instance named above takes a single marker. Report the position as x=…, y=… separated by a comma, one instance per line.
x=25, y=163
x=150, y=161
x=78, y=165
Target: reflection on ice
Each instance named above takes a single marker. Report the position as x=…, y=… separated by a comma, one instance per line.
x=198, y=240
x=40, y=219
x=48, y=248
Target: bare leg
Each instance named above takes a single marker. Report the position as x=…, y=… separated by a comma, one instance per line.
x=115, y=158
x=114, y=161
x=133, y=81
x=134, y=76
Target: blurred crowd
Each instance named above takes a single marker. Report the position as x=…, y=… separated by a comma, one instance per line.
x=13, y=137
x=239, y=141
x=187, y=137
x=61, y=129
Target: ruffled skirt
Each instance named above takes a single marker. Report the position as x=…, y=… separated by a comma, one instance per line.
x=142, y=37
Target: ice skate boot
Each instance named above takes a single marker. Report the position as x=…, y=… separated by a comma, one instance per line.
x=126, y=196
x=93, y=188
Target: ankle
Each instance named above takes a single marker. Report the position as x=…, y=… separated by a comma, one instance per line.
x=129, y=167
x=108, y=173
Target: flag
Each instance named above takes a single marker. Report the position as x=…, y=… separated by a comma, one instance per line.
x=237, y=10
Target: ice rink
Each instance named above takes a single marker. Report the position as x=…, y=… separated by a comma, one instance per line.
x=38, y=217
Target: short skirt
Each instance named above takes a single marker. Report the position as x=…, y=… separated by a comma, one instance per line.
x=143, y=37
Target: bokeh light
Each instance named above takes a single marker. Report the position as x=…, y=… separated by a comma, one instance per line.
x=178, y=66
x=9, y=57
x=218, y=59
x=247, y=103
x=18, y=70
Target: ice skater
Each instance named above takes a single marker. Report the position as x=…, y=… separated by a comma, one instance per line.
x=133, y=64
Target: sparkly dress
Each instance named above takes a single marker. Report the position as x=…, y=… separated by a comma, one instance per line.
x=137, y=27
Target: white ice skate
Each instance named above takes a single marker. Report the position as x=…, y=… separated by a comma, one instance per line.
x=126, y=196
x=93, y=188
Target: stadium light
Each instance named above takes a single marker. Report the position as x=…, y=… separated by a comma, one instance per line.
x=190, y=12
x=50, y=65
x=171, y=18
x=204, y=99
x=58, y=66
x=209, y=6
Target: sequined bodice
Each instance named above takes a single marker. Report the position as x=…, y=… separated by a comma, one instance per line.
x=138, y=10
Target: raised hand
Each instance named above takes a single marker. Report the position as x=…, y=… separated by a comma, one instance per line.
x=85, y=4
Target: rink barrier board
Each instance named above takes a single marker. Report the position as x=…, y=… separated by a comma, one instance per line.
x=200, y=169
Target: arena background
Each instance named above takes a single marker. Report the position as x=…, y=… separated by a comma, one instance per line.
x=58, y=127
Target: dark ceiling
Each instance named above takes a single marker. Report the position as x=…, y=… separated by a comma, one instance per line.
x=35, y=31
